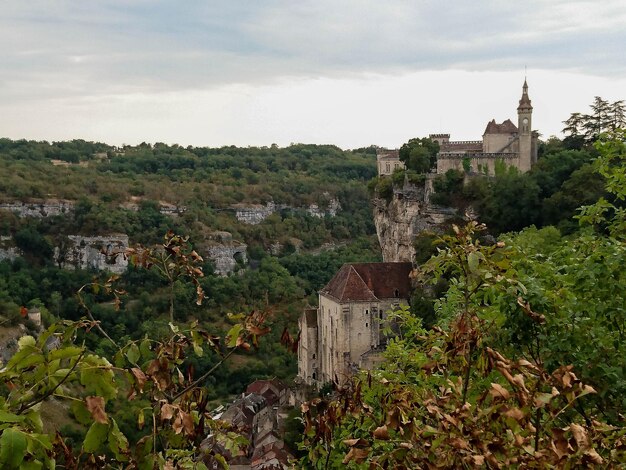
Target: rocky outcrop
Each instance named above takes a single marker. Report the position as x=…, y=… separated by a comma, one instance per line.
x=400, y=220
x=38, y=209
x=256, y=213
x=225, y=252
x=8, y=250
x=331, y=210
x=102, y=253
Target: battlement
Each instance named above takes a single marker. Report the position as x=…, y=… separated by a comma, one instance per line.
x=461, y=156
x=464, y=142
x=439, y=136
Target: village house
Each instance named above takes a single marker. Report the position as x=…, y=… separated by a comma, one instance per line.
x=344, y=334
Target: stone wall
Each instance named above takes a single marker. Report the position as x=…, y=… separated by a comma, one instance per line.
x=478, y=162
x=102, y=253
x=38, y=209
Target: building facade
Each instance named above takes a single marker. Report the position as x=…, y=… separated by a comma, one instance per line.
x=344, y=334
x=502, y=145
x=388, y=161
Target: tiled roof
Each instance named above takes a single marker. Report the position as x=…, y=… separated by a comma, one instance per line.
x=507, y=127
x=370, y=282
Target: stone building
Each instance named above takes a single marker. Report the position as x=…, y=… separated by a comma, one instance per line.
x=388, y=161
x=502, y=144
x=344, y=333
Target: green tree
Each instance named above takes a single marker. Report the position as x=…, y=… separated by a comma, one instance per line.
x=419, y=155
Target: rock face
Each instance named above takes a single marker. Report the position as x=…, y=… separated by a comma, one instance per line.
x=398, y=222
x=103, y=253
x=255, y=214
x=38, y=209
x=226, y=258
x=8, y=250
x=225, y=252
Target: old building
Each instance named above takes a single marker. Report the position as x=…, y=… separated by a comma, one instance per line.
x=344, y=333
x=388, y=161
x=502, y=145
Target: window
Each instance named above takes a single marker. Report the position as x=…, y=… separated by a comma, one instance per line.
x=397, y=293
x=367, y=325
x=367, y=312
x=387, y=168
x=313, y=355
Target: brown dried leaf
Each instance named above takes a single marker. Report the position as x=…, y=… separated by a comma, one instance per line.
x=355, y=442
x=95, y=405
x=580, y=435
x=356, y=454
x=167, y=411
x=381, y=433
x=498, y=391
x=593, y=457
x=140, y=377
x=514, y=413
x=187, y=422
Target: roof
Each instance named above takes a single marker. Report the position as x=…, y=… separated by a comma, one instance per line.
x=370, y=282
x=384, y=154
x=507, y=127
x=270, y=390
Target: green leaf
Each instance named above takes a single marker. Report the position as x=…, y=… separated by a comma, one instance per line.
x=472, y=261
x=32, y=465
x=12, y=448
x=133, y=354
x=233, y=334
x=118, y=442
x=95, y=437
x=81, y=413
x=6, y=417
x=63, y=353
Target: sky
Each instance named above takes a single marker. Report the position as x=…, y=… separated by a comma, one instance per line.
x=350, y=73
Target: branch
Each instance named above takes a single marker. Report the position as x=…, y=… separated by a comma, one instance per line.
x=50, y=392
x=203, y=376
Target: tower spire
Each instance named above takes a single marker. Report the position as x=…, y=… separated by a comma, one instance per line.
x=524, y=102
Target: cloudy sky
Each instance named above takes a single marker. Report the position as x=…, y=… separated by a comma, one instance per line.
x=347, y=72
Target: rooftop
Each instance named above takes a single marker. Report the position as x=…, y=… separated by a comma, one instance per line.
x=370, y=282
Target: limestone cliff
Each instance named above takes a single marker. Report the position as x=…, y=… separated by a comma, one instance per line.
x=400, y=220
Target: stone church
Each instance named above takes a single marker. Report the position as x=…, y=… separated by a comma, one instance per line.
x=502, y=144
x=344, y=334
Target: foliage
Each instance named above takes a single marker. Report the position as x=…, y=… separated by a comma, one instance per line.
x=523, y=368
x=419, y=155
x=155, y=372
x=604, y=117
x=447, y=398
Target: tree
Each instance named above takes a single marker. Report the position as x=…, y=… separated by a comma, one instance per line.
x=524, y=367
x=419, y=155
x=149, y=378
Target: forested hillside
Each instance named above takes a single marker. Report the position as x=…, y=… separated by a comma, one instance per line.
x=291, y=253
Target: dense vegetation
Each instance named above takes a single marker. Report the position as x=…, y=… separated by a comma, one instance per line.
x=524, y=365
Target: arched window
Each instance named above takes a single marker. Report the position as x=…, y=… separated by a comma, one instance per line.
x=313, y=355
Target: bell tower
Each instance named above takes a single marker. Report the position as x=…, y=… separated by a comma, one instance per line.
x=524, y=125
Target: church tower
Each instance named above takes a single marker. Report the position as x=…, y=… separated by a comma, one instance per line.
x=524, y=125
